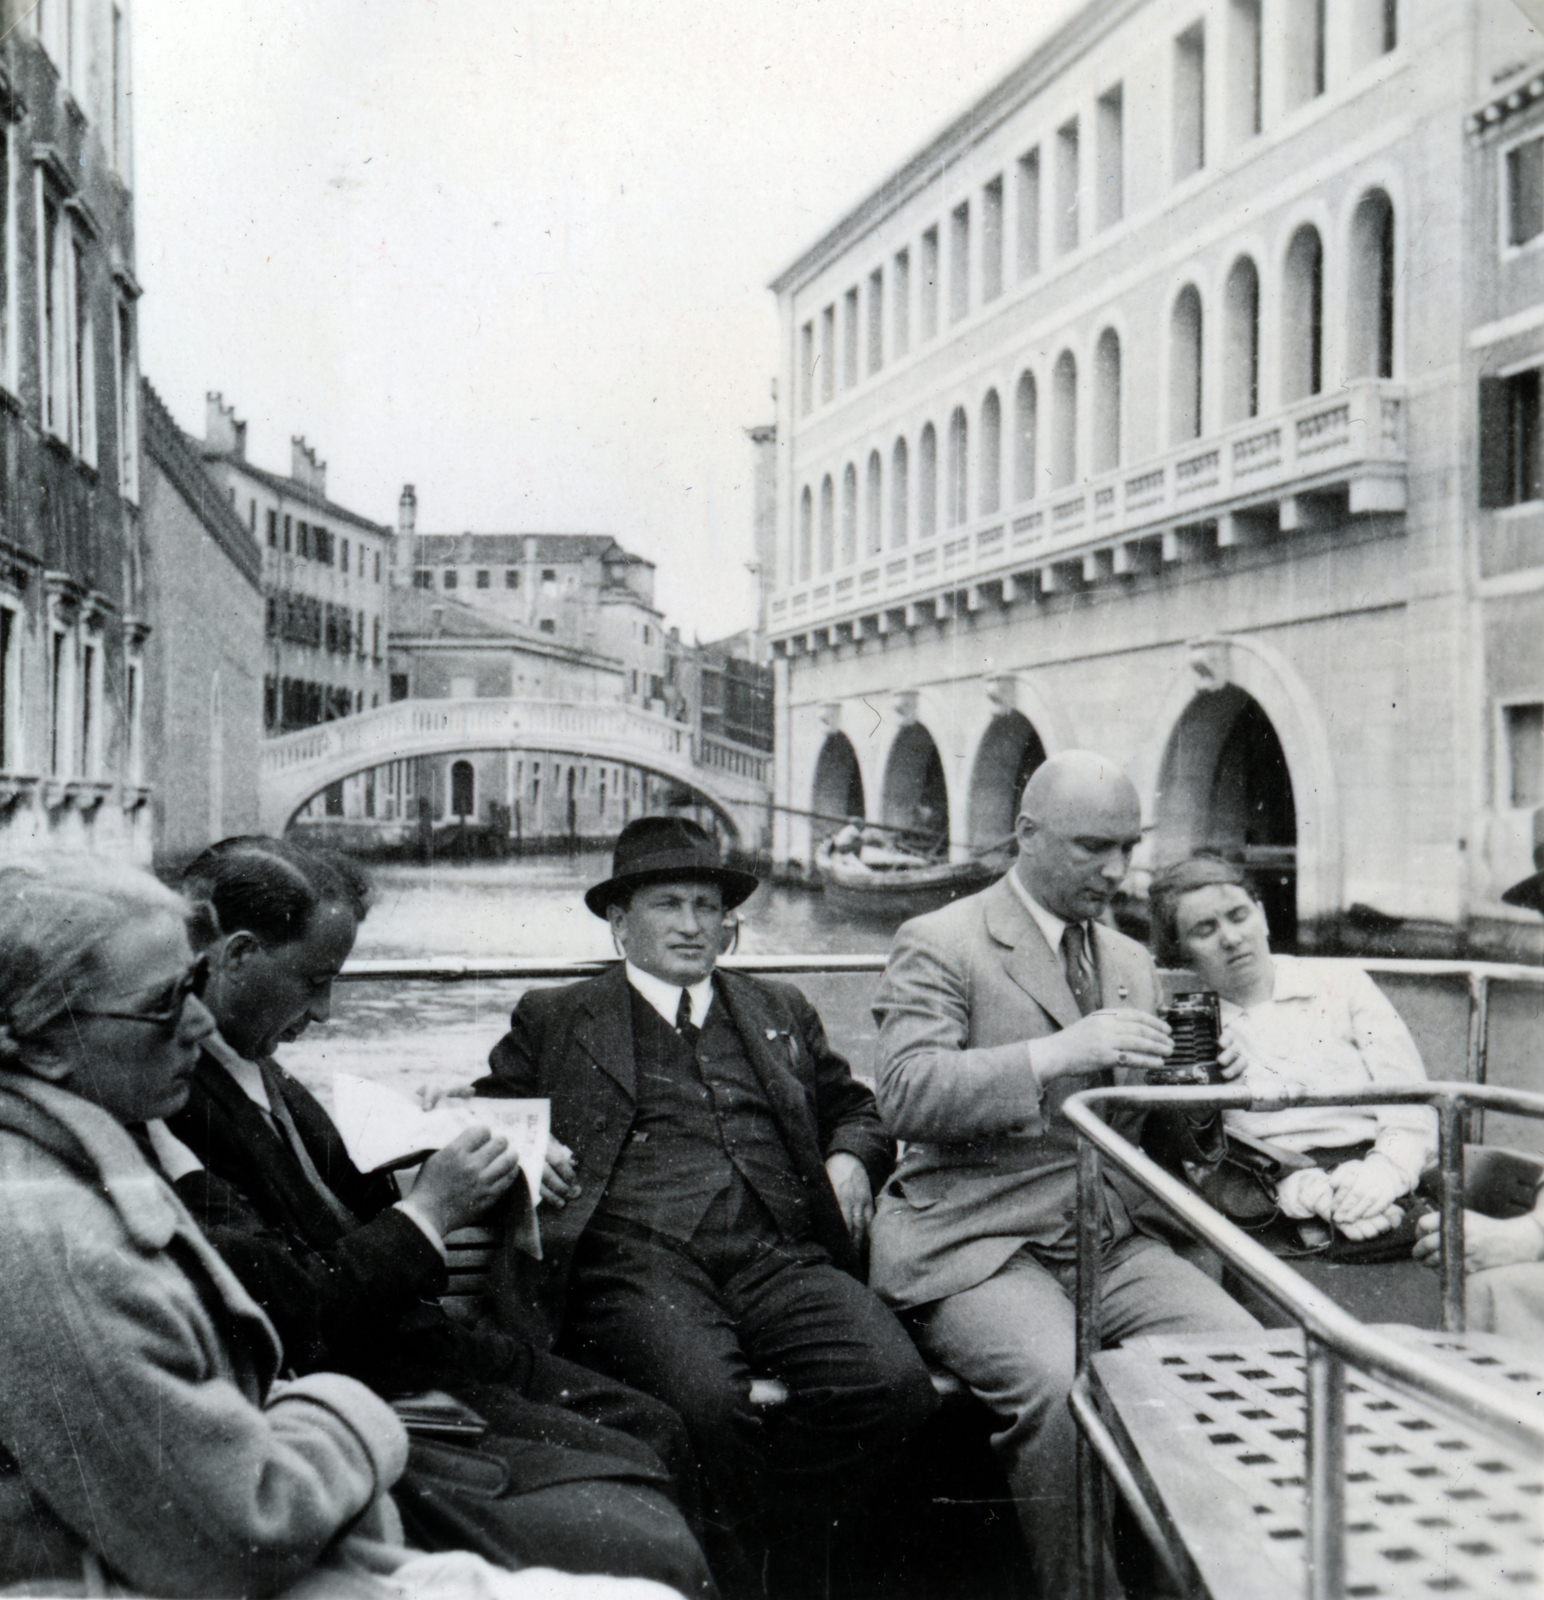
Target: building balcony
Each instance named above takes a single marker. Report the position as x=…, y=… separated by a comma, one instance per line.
x=1309, y=465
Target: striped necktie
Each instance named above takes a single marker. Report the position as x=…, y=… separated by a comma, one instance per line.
x=1081, y=978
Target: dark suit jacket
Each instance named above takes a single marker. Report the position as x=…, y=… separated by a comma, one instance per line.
x=574, y=1045
x=361, y=1301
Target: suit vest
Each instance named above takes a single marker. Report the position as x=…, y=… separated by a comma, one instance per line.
x=703, y=1134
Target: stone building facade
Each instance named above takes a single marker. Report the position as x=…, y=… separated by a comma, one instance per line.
x=72, y=600
x=1138, y=411
x=326, y=573
x=203, y=713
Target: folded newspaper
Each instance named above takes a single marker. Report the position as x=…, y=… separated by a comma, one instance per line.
x=384, y=1129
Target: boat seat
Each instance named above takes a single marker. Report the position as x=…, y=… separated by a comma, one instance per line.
x=1213, y=1432
x=471, y=1253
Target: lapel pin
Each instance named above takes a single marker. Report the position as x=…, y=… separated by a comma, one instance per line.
x=1121, y=992
x=771, y=1033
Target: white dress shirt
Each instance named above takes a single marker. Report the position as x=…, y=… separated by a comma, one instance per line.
x=666, y=997
x=1053, y=927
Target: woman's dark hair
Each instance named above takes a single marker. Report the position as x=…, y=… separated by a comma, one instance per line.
x=271, y=887
x=1173, y=883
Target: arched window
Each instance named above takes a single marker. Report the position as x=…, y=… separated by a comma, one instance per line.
x=1241, y=343
x=873, y=506
x=1370, y=308
x=827, y=524
x=899, y=510
x=806, y=534
x=927, y=483
x=1185, y=366
x=1026, y=408
x=462, y=789
x=991, y=453
x=956, y=510
x=1106, y=418
x=1302, y=317
x=1064, y=421
x=849, y=515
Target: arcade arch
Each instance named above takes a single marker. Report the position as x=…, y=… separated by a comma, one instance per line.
x=838, y=786
x=1225, y=785
x=916, y=794
x=1009, y=752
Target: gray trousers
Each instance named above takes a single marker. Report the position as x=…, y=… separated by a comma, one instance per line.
x=1012, y=1339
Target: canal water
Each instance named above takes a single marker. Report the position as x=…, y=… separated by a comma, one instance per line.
x=408, y=1033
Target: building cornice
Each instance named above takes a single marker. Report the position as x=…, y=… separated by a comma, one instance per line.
x=1527, y=88
x=1040, y=68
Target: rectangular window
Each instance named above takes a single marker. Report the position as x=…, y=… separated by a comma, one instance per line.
x=83, y=418
x=900, y=303
x=1029, y=214
x=303, y=539
x=133, y=714
x=55, y=366
x=375, y=640
x=398, y=686
x=876, y=319
x=1110, y=201
x=377, y=566
x=929, y=283
x=252, y=515
x=273, y=530
x=959, y=261
x=343, y=556
x=1511, y=472
x=1303, y=51
x=549, y=625
x=806, y=369
x=88, y=711
x=1189, y=102
x=448, y=579
x=8, y=757
x=1525, y=191
x=58, y=727
x=423, y=578
x=1067, y=186
x=828, y=352
x=511, y=577
x=1525, y=755
x=288, y=527
x=992, y=240
x=484, y=579
x=1244, y=69
x=850, y=338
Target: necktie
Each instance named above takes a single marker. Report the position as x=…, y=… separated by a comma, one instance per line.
x=683, y=1019
x=339, y=1212
x=1081, y=978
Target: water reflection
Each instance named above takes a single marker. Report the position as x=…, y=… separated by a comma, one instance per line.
x=405, y=1033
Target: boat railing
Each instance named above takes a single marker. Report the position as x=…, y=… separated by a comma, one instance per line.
x=1479, y=977
x=1333, y=1338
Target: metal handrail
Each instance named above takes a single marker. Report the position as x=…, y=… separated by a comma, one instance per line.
x=1332, y=1336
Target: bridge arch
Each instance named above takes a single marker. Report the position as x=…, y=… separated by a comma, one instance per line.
x=916, y=793
x=837, y=790
x=1009, y=751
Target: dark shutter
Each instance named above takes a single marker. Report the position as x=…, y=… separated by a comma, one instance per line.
x=1495, y=438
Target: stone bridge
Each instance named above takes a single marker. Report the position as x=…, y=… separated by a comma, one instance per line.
x=732, y=778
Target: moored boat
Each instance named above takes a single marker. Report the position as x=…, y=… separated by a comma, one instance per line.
x=896, y=885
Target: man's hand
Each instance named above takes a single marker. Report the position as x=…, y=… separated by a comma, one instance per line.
x=1488, y=1241
x=854, y=1193
x=559, y=1180
x=1365, y=1189
x=1103, y=1039
x=457, y=1184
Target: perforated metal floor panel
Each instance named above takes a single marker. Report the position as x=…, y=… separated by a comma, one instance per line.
x=1433, y=1505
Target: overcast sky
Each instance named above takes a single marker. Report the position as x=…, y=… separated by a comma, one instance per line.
x=516, y=251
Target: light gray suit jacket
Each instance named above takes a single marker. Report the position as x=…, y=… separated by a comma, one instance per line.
x=990, y=1164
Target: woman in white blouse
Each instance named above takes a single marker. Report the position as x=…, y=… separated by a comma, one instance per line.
x=1318, y=1025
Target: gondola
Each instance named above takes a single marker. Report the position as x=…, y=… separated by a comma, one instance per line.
x=891, y=890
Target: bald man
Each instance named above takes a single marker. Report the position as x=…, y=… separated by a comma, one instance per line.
x=991, y=1012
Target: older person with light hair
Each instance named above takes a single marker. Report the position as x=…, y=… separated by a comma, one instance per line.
x=146, y=1444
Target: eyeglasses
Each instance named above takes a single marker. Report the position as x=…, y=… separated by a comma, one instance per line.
x=167, y=1013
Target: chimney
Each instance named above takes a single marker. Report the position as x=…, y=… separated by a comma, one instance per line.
x=223, y=434
x=402, y=551
x=305, y=469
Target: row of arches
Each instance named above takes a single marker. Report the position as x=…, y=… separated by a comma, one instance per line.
x=1224, y=783
x=1213, y=362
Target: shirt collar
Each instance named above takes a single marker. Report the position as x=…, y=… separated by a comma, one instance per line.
x=1291, y=980
x=1051, y=925
x=248, y=1075
x=666, y=997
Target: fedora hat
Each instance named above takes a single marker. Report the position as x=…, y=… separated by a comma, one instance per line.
x=661, y=850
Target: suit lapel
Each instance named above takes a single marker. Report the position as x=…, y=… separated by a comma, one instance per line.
x=1028, y=959
x=771, y=1059
x=605, y=1032
x=1119, y=985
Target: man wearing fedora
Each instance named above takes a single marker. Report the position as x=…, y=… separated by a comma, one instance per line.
x=710, y=1207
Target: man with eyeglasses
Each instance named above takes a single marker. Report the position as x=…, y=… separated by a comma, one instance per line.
x=710, y=1208
x=992, y=1011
